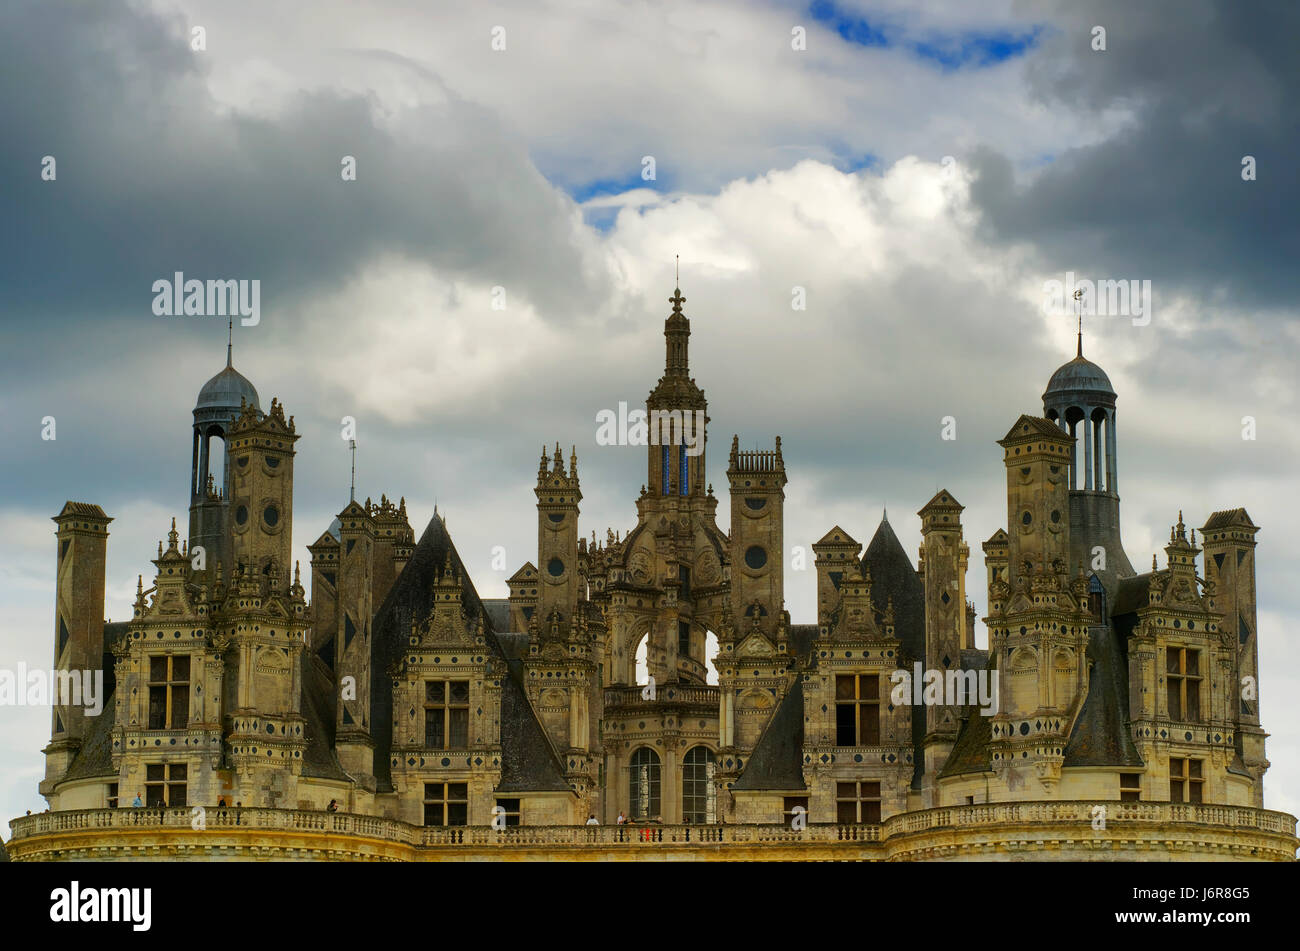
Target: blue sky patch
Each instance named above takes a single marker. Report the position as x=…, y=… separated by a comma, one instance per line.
x=613, y=186
x=962, y=50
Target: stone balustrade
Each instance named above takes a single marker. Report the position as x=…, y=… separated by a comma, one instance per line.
x=1063, y=830
x=688, y=695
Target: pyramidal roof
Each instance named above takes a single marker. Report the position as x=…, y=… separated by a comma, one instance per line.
x=1032, y=427
x=838, y=536
x=529, y=761
x=894, y=576
x=1229, y=518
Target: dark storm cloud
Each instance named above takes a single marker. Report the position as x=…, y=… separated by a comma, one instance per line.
x=154, y=176
x=1207, y=82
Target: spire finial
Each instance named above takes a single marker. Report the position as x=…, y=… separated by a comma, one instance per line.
x=677, y=300
x=1078, y=313
x=352, y=489
x=230, y=338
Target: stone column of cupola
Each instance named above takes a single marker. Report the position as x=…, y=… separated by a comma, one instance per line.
x=1097, y=461
x=1111, y=467
x=1087, y=453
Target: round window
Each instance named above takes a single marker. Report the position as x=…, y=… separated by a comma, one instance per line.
x=1026, y=519
x=1056, y=516
x=241, y=515
x=555, y=567
x=271, y=516
x=755, y=557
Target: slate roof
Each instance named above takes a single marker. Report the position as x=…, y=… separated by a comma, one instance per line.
x=1028, y=426
x=529, y=761
x=970, y=754
x=1078, y=376
x=87, y=509
x=1229, y=518
x=498, y=611
x=319, y=708
x=1100, y=736
x=95, y=756
x=892, y=574
x=1132, y=593
x=225, y=390
x=514, y=644
x=801, y=642
x=777, y=760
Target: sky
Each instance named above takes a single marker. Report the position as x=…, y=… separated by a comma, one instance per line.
x=915, y=173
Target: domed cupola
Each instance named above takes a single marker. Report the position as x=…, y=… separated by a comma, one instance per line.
x=220, y=397
x=1080, y=399
x=220, y=400
x=1077, y=381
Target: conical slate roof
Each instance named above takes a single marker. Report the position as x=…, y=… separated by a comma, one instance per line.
x=893, y=575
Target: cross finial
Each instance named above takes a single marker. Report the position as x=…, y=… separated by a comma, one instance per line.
x=677, y=300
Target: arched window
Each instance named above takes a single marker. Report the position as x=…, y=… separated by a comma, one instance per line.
x=710, y=652
x=698, y=796
x=1097, y=599
x=643, y=784
x=641, y=661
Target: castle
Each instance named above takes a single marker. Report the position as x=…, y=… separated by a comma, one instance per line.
x=398, y=713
